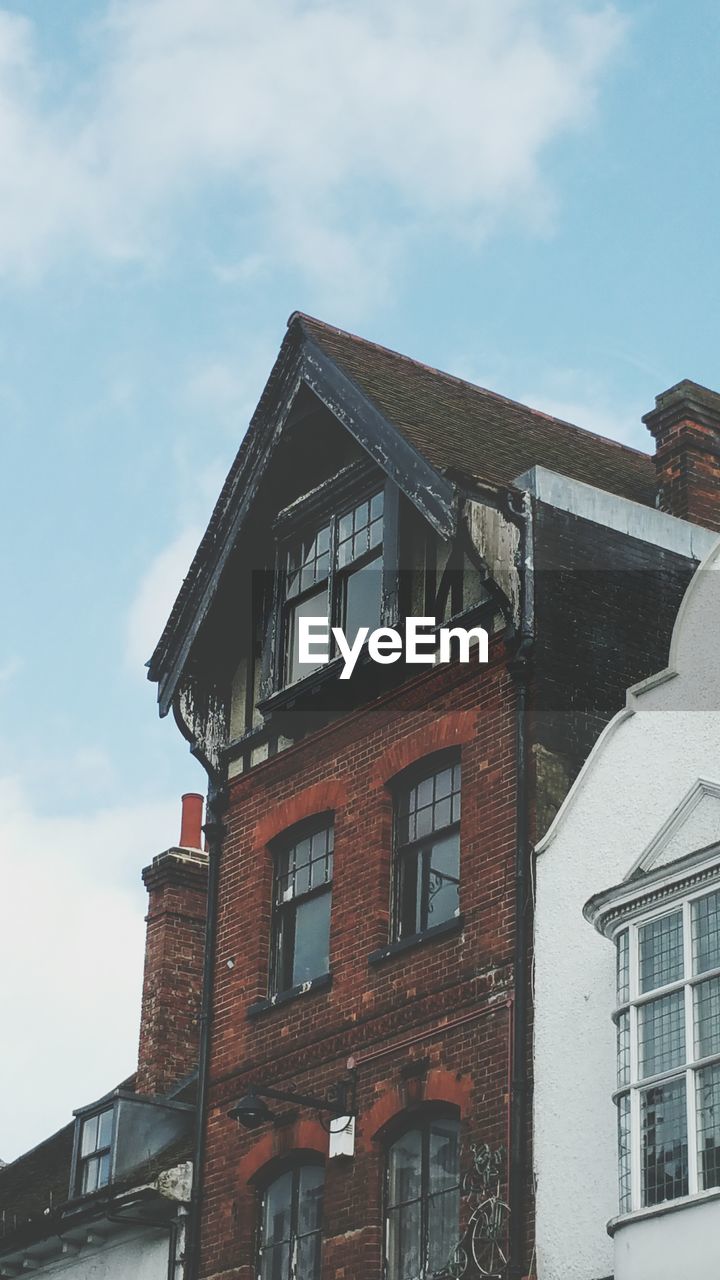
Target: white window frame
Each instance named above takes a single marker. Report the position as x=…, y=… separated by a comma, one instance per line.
x=692, y=1064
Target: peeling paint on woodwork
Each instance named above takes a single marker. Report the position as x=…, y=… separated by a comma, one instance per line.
x=497, y=540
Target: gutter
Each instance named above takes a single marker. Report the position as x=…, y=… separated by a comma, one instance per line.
x=520, y=670
x=214, y=831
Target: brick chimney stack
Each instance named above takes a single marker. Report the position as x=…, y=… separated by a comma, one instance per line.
x=176, y=882
x=686, y=425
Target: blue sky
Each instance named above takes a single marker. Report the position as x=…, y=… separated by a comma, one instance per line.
x=524, y=192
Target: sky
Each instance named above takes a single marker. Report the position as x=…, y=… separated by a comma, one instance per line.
x=522, y=192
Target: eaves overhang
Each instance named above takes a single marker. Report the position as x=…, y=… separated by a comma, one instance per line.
x=301, y=361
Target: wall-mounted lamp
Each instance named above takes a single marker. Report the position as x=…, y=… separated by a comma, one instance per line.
x=252, y=1111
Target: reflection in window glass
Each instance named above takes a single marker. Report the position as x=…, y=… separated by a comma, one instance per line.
x=423, y=1200
x=427, y=851
x=291, y=1225
x=301, y=910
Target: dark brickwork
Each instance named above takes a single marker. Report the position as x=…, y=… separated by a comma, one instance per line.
x=605, y=608
x=169, y=1026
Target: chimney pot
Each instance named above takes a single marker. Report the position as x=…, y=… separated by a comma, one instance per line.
x=191, y=824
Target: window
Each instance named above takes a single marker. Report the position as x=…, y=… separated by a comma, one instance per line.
x=668, y=1037
x=422, y=1209
x=94, y=1156
x=291, y=1225
x=427, y=850
x=301, y=906
x=334, y=572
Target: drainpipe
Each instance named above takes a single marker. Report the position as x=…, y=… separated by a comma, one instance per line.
x=214, y=831
x=520, y=670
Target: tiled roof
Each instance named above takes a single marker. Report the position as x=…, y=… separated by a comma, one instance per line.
x=460, y=426
x=455, y=425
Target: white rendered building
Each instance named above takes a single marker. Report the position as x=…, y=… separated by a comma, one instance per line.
x=627, y=982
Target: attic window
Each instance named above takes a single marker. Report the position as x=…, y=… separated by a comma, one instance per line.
x=332, y=570
x=94, y=1156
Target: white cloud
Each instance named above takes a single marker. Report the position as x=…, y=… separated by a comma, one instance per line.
x=155, y=596
x=71, y=955
x=342, y=127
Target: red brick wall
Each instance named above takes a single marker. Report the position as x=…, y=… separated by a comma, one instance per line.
x=446, y=1001
x=169, y=1025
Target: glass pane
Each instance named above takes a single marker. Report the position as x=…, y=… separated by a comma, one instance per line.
x=623, y=967
x=624, y=1166
x=443, y=892
x=623, y=1050
x=708, y=1126
x=91, y=1172
x=104, y=1170
x=661, y=952
x=105, y=1128
x=362, y=599
x=707, y=1018
x=661, y=1034
x=312, y=938
x=275, y=1263
x=277, y=1204
x=444, y=1156
x=410, y=894
x=376, y=507
x=443, y=1228
x=89, y=1136
x=404, y=1245
x=312, y=1181
x=663, y=1154
x=315, y=606
x=308, y=1255
x=706, y=933
x=404, y=1168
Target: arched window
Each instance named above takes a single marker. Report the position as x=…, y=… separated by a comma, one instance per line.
x=422, y=1203
x=291, y=1225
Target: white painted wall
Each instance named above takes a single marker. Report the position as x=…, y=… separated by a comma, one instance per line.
x=643, y=765
x=684, y=1244
x=144, y=1256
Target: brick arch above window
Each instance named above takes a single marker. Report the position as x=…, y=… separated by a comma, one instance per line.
x=322, y=797
x=397, y=1103
x=270, y=1153
x=451, y=730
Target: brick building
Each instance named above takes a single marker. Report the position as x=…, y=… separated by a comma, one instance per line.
x=370, y=839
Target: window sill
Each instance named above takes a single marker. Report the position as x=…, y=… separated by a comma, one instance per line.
x=660, y=1210
x=444, y=930
x=268, y=1003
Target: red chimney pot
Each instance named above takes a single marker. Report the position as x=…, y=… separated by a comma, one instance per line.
x=191, y=824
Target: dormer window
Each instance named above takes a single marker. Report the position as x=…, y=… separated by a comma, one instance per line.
x=95, y=1148
x=332, y=570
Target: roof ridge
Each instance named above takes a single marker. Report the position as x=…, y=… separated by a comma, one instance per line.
x=301, y=316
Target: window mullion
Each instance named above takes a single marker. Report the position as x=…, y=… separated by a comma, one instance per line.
x=332, y=583
x=690, y=1050
x=635, y=1137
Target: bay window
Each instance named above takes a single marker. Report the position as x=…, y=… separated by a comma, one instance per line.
x=668, y=1040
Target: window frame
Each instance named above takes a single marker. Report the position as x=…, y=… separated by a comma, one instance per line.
x=280, y=965
x=688, y=1070
x=294, y=1166
x=336, y=497
x=81, y=1161
x=427, y=767
x=422, y=1121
